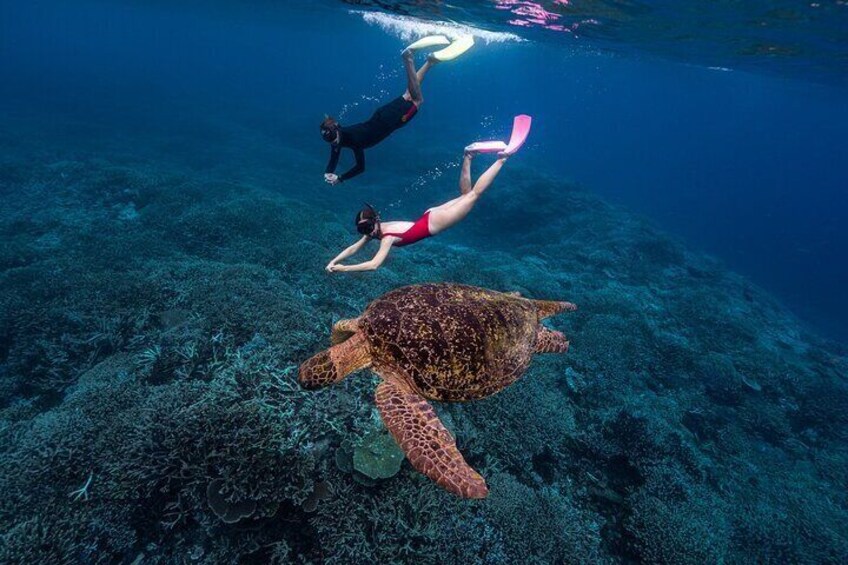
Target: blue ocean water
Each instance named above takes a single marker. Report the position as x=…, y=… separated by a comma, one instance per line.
x=165, y=227
x=733, y=160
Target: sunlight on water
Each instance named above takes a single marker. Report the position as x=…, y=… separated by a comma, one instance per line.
x=532, y=14
x=789, y=38
x=410, y=29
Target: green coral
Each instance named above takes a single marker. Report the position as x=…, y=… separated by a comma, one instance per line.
x=378, y=456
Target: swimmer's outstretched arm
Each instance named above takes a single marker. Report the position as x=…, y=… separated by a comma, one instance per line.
x=352, y=250
x=373, y=264
x=357, y=169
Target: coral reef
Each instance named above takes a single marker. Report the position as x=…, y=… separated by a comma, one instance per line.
x=151, y=324
x=378, y=456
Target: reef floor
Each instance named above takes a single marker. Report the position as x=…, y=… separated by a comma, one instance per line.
x=152, y=318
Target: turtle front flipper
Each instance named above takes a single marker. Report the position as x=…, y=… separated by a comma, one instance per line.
x=547, y=308
x=332, y=365
x=343, y=329
x=426, y=442
x=549, y=341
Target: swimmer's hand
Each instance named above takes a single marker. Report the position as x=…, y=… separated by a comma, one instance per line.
x=330, y=267
x=332, y=179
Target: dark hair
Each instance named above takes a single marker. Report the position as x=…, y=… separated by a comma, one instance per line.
x=366, y=220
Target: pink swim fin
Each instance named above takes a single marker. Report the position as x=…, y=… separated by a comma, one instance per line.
x=520, y=131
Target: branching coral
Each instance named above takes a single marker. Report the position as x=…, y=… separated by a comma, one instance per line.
x=150, y=329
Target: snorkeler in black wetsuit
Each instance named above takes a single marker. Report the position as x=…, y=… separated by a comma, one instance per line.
x=381, y=125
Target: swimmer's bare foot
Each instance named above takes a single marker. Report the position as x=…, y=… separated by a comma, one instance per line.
x=408, y=55
x=431, y=58
x=470, y=153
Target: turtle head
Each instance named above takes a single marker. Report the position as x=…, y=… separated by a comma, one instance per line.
x=547, y=308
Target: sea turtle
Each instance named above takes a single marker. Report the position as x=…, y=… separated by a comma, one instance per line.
x=447, y=342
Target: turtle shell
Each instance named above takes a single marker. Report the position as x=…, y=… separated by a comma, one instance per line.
x=451, y=342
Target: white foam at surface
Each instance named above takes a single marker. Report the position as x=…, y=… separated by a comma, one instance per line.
x=409, y=29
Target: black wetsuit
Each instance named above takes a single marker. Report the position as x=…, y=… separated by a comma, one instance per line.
x=359, y=137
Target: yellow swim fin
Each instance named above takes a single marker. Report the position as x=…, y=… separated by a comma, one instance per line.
x=429, y=41
x=455, y=49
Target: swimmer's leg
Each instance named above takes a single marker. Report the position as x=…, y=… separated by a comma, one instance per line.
x=465, y=173
x=448, y=204
x=486, y=179
x=428, y=64
x=449, y=214
x=414, y=78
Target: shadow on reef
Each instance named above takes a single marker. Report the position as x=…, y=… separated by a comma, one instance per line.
x=151, y=324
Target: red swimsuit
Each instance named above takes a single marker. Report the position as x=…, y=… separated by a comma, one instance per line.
x=419, y=230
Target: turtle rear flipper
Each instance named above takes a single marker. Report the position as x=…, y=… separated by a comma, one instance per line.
x=548, y=308
x=332, y=365
x=426, y=442
x=549, y=341
x=343, y=329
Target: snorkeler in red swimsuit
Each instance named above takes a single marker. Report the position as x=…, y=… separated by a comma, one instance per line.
x=419, y=230
x=432, y=222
